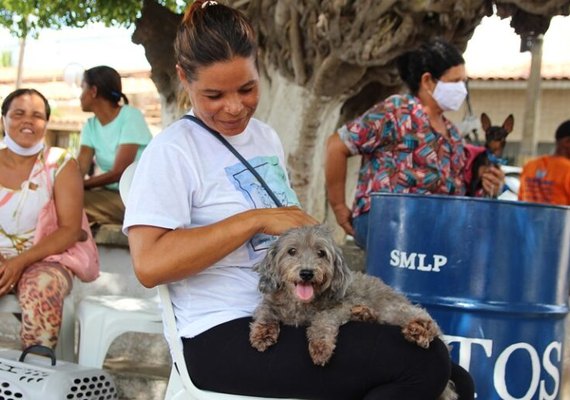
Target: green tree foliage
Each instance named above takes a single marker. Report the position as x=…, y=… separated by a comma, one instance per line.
x=27, y=17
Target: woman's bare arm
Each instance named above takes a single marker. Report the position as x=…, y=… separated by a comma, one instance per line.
x=85, y=159
x=126, y=154
x=162, y=255
x=335, y=175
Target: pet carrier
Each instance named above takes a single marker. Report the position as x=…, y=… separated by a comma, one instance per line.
x=26, y=376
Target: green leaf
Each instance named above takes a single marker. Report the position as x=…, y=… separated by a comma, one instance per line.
x=27, y=17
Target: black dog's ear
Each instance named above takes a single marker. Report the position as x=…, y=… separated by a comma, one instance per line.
x=485, y=122
x=509, y=123
x=267, y=270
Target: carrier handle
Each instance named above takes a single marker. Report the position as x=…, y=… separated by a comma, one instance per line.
x=39, y=350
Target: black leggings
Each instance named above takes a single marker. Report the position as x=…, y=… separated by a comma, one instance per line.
x=370, y=362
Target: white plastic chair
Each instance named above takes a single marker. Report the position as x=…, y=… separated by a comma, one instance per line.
x=65, y=349
x=103, y=318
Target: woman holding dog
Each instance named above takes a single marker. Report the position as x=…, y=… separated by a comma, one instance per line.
x=406, y=143
x=199, y=221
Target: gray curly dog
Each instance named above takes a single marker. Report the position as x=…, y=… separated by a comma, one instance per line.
x=305, y=281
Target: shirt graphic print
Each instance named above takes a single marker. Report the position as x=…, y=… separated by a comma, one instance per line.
x=256, y=195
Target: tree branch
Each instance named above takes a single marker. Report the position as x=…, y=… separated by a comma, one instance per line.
x=296, y=47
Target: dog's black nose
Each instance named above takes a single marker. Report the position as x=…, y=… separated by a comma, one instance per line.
x=306, y=274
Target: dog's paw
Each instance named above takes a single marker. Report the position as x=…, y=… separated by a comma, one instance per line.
x=263, y=335
x=363, y=313
x=420, y=331
x=321, y=351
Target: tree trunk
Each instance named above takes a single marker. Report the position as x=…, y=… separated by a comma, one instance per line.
x=155, y=30
x=322, y=58
x=303, y=121
x=20, y=70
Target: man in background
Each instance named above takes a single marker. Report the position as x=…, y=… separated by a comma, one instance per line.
x=546, y=179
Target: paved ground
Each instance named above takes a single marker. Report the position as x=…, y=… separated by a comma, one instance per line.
x=141, y=376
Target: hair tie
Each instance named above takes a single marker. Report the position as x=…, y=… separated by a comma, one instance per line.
x=116, y=94
x=209, y=3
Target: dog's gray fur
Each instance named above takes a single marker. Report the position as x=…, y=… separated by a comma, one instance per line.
x=309, y=256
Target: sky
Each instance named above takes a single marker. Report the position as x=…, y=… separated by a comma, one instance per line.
x=90, y=46
x=494, y=50
x=494, y=46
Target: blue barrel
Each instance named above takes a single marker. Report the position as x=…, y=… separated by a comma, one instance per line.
x=494, y=274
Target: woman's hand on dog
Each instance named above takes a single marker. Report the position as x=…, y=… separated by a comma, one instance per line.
x=492, y=179
x=275, y=221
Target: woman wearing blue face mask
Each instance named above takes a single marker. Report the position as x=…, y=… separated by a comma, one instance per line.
x=406, y=143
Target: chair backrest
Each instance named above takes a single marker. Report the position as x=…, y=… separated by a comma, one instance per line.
x=125, y=181
x=172, y=336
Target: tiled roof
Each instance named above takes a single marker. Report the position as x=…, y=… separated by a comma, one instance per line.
x=521, y=72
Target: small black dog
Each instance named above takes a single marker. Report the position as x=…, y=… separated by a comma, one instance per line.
x=495, y=141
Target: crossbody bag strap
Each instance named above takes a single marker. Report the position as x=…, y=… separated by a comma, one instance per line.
x=218, y=136
x=45, y=169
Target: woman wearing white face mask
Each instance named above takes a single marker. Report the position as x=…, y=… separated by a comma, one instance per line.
x=406, y=143
x=30, y=175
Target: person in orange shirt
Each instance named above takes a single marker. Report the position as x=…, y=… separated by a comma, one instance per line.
x=547, y=179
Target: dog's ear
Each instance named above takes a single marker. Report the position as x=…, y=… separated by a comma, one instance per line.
x=485, y=122
x=509, y=123
x=342, y=274
x=267, y=270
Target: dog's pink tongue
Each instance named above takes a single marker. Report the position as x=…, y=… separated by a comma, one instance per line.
x=304, y=290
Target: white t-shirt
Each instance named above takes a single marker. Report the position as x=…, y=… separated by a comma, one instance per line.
x=188, y=178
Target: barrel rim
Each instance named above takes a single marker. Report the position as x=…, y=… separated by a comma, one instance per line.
x=469, y=199
x=467, y=305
